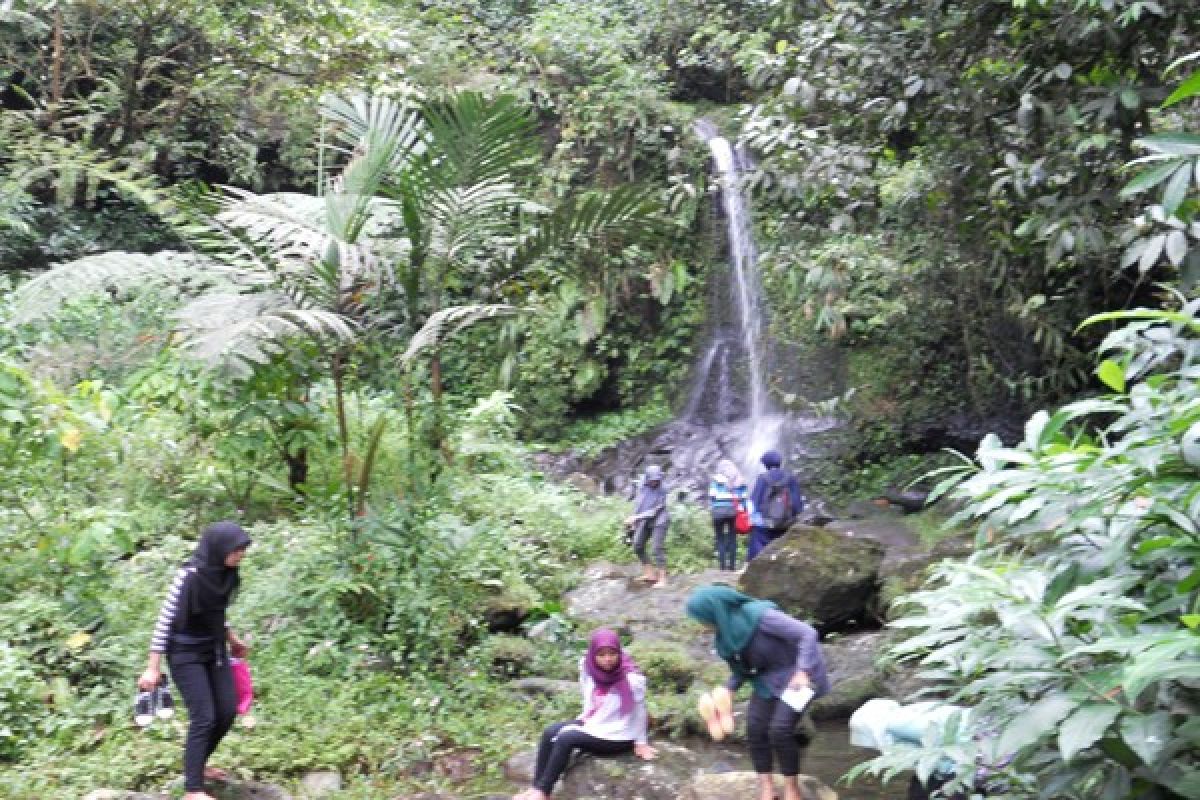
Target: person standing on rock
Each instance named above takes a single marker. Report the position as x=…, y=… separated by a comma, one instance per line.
x=613, y=721
x=192, y=632
x=776, y=653
x=726, y=493
x=776, y=500
x=649, y=522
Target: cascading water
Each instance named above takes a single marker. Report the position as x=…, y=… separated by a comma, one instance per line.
x=762, y=427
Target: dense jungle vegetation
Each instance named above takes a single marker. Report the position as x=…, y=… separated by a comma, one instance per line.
x=339, y=269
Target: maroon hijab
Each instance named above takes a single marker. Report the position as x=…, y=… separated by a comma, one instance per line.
x=618, y=677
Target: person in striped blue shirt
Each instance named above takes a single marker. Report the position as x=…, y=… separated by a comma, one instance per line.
x=726, y=494
x=192, y=632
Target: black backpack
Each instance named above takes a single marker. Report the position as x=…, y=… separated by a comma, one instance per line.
x=778, y=511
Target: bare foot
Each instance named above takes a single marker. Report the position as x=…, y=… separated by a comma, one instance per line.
x=198, y=796
x=215, y=774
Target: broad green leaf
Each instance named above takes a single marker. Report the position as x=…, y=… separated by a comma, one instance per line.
x=1041, y=718
x=1033, y=430
x=1147, y=734
x=1085, y=727
x=1149, y=178
x=1174, y=144
x=1192, y=621
x=1189, y=88
x=1177, y=247
x=1174, y=193
x=1151, y=252
x=1112, y=375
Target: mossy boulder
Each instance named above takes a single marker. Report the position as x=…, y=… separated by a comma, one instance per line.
x=667, y=665
x=826, y=577
x=504, y=612
x=509, y=655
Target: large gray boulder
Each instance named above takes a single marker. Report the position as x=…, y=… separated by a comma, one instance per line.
x=852, y=662
x=826, y=577
x=704, y=774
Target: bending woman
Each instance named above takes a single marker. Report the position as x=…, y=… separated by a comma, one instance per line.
x=774, y=652
x=613, y=719
x=192, y=631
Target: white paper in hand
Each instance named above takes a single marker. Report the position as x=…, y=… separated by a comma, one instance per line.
x=798, y=699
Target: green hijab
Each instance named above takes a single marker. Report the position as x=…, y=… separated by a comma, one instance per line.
x=735, y=616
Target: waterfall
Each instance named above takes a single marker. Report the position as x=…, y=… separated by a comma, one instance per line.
x=743, y=256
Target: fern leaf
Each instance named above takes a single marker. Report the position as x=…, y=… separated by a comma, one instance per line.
x=45, y=294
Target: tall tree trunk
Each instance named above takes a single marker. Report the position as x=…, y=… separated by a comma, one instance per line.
x=339, y=398
x=56, y=66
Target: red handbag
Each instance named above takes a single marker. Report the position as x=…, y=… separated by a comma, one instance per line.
x=741, y=518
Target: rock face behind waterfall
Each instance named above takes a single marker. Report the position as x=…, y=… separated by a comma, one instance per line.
x=817, y=574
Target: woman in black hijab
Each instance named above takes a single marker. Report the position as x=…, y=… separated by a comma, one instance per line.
x=192, y=631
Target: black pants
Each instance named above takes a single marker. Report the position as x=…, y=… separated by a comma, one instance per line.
x=207, y=691
x=726, y=543
x=771, y=729
x=554, y=751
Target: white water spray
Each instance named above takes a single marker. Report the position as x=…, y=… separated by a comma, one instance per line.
x=763, y=428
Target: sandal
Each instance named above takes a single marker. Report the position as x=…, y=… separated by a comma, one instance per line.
x=708, y=712
x=723, y=704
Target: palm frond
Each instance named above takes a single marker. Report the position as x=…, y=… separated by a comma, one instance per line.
x=317, y=265
x=631, y=212
x=388, y=132
x=449, y=321
x=468, y=220
x=474, y=139
x=116, y=270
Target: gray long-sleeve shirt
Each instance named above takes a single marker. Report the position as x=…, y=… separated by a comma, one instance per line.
x=780, y=646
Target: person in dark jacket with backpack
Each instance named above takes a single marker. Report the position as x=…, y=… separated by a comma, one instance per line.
x=192, y=632
x=776, y=500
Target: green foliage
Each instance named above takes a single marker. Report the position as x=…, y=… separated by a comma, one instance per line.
x=1072, y=630
x=589, y=436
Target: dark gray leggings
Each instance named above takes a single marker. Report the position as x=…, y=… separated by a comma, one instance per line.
x=211, y=700
x=554, y=751
x=771, y=730
x=658, y=539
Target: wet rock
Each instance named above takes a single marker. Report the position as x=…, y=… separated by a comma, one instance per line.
x=854, y=673
x=816, y=574
x=742, y=785
x=320, y=784
x=907, y=500
x=629, y=778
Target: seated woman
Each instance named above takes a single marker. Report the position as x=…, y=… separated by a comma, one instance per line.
x=613, y=719
x=775, y=652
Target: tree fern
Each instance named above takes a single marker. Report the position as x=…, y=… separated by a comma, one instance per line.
x=48, y=292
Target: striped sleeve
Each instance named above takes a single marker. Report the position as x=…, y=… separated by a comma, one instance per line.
x=168, y=612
